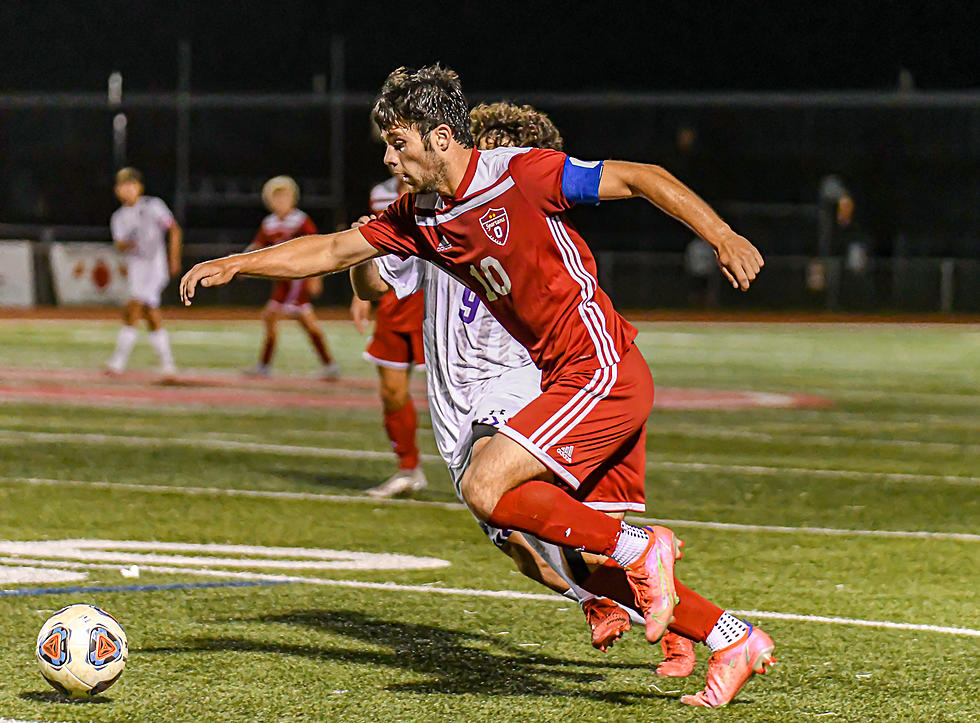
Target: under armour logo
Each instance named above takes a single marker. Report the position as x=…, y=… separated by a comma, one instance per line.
x=565, y=452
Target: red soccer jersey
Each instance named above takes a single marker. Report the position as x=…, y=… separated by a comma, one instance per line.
x=275, y=230
x=504, y=235
x=401, y=315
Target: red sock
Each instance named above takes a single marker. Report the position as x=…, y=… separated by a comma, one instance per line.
x=548, y=513
x=316, y=338
x=693, y=615
x=268, y=349
x=400, y=426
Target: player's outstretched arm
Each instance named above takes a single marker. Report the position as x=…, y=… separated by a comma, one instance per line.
x=297, y=259
x=739, y=260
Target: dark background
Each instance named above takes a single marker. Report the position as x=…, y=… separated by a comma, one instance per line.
x=913, y=172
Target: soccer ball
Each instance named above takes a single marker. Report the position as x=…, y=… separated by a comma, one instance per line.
x=82, y=650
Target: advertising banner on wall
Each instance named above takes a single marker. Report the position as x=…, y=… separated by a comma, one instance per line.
x=16, y=273
x=88, y=274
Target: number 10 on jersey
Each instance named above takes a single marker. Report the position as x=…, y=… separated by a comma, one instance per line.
x=492, y=278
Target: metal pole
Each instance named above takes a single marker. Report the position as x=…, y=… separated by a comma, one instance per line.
x=118, y=121
x=183, y=140
x=947, y=287
x=337, y=144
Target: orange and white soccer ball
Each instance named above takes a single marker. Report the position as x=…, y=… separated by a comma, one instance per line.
x=82, y=650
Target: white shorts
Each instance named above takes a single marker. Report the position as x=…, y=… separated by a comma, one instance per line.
x=146, y=281
x=503, y=397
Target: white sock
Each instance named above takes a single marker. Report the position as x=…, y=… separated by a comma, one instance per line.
x=632, y=542
x=572, y=595
x=124, y=345
x=160, y=341
x=727, y=631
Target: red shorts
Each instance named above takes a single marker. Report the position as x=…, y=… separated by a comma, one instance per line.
x=589, y=428
x=289, y=297
x=395, y=349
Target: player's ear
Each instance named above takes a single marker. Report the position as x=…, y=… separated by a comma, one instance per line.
x=442, y=136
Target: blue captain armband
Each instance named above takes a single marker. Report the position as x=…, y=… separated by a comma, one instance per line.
x=580, y=180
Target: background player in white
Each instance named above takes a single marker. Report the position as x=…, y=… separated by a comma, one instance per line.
x=138, y=228
x=479, y=376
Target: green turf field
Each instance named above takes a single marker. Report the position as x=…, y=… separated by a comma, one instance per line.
x=802, y=495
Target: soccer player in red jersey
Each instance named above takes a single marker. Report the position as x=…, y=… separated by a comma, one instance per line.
x=289, y=298
x=395, y=347
x=495, y=220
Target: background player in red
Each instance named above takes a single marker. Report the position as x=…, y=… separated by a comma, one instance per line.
x=289, y=298
x=394, y=348
x=588, y=426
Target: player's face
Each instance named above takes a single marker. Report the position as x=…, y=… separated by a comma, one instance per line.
x=128, y=192
x=413, y=161
x=282, y=202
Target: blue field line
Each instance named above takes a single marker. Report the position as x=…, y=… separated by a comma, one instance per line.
x=25, y=592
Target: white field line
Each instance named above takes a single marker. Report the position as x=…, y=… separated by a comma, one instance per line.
x=15, y=437
x=504, y=594
x=314, y=496
x=814, y=439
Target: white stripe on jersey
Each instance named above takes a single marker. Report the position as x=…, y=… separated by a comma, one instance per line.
x=462, y=208
x=575, y=410
x=590, y=312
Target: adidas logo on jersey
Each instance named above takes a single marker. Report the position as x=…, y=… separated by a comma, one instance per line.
x=443, y=245
x=565, y=452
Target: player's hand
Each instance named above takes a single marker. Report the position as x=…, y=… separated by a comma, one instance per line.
x=208, y=273
x=739, y=260
x=360, y=312
x=363, y=220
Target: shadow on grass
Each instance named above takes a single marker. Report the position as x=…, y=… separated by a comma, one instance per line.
x=50, y=696
x=328, y=481
x=457, y=662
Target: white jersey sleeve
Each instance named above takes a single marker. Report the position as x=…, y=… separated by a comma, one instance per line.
x=118, y=227
x=160, y=212
x=405, y=276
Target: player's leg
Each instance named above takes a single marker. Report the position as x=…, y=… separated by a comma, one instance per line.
x=393, y=355
x=585, y=421
x=270, y=337
x=159, y=339
x=401, y=426
x=126, y=338
x=307, y=319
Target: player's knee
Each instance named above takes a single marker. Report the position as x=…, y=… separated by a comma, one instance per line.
x=478, y=493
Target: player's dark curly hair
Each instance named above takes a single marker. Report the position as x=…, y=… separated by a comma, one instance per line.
x=423, y=99
x=508, y=124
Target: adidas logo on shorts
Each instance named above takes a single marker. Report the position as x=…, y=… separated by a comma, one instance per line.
x=565, y=452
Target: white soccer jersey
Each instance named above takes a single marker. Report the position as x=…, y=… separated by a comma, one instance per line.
x=469, y=351
x=144, y=224
x=383, y=195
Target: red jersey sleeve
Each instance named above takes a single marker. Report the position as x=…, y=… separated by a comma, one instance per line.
x=306, y=228
x=394, y=231
x=261, y=240
x=538, y=173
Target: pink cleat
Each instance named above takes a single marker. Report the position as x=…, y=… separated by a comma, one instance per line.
x=607, y=620
x=652, y=580
x=678, y=656
x=731, y=667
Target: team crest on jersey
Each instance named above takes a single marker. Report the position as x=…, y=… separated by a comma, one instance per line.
x=496, y=225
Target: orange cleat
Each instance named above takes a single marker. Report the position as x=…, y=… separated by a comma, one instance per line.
x=731, y=667
x=652, y=580
x=678, y=656
x=607, y=620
